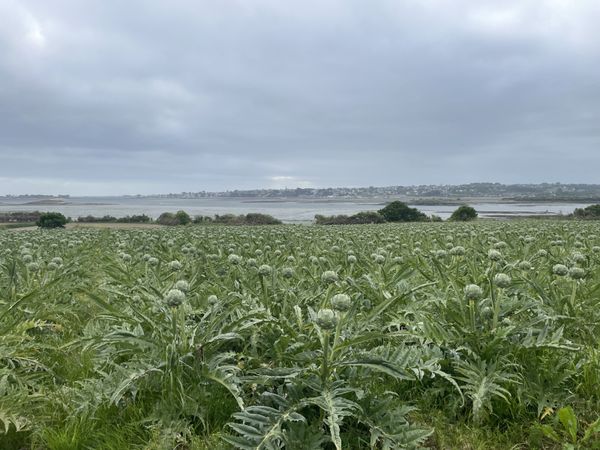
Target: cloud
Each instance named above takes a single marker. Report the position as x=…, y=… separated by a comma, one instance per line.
x=192, y=95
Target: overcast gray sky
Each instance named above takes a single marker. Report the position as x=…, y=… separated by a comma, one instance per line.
x=142, y=96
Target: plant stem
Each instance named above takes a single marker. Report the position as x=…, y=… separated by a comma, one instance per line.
x=325, y=364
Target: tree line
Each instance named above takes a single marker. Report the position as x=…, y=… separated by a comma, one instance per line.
x=396, y=211
x=58, y=220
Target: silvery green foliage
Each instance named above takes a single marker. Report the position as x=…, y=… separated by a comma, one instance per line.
x=265, y=270
x=560, y=270
x=341, y=302
x=473, y=292
x=494, y=255
x=326, y=348
x=234, y=259
x=502, y=280
x=326, y=319
x=576, y=273
x=329, y=276
x=174, y=297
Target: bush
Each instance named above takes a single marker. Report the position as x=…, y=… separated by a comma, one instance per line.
x=331, y=220
x=367, y=217
x=225, y=219
x=464, y=213
x=183, y=218
x=228, y=219
x=51, y=220
x=93, y=219
x=167, y=218
x=172, y=219
x=364, y=217
x=400, y=212
x=248, y=219
x=589, y=212
x=261, y=219
x=142, y=218
x=202, y=219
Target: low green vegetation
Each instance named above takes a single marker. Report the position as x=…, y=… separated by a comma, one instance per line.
x=52, y=220
x=242, y=219
x=401, y=212
x=182, y=218
x=365, y=217
x=136, y=218
x=480, y=335
x=464, y=213
x=589, y=212
x=395, y=211
x=178, y=218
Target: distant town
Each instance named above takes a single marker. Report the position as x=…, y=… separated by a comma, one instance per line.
x=516, y=192
x=427, y=193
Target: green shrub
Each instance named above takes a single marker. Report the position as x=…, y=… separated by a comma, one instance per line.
x=142, y=218
x=464, y=213
x=167, y=218
x=172, y=219
x=248, y=219
x=400, y=212
x=589, y=212
x=367, y=217
x=202, y=219
x=232, y=219
x=364, y=217
x=331, y=220
x=52, y=220
x=261, y=219
x=93, y=219
x=183, y=218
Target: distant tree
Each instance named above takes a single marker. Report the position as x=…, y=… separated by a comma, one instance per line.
x=179, y=218
x=261, y=219
x=52, y=220
x=464, y=213
x=367, y=217
x=183, y=218
x=202, y=219
x=91, y=219
x=363, y=217
x=400, y=212
x=342, y=219
x=248, y=219
x=228, y=219
x=589, y=212
x=167, y=218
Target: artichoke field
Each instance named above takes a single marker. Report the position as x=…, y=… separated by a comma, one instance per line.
x=300, y=337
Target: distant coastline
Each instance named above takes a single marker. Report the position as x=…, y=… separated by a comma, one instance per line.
x=431, y=195
x=491, y=200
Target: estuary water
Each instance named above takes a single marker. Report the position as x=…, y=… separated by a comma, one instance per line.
x=290, y=211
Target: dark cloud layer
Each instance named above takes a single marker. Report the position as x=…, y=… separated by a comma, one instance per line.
x=105, y=96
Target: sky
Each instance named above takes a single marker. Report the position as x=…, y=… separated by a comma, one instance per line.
x=106, y=97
